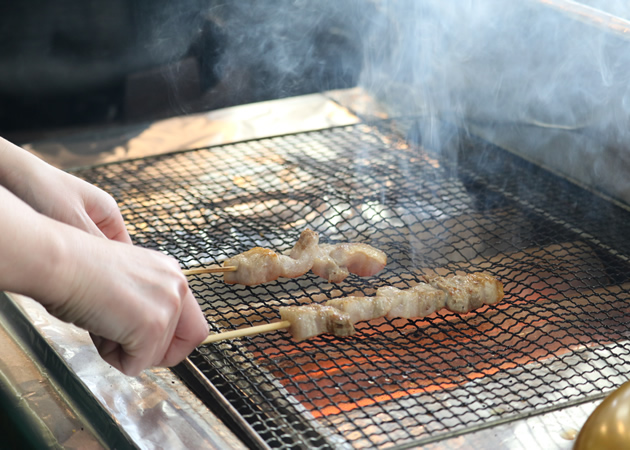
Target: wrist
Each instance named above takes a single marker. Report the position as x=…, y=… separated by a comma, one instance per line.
x=53, y=264
x=35, y=252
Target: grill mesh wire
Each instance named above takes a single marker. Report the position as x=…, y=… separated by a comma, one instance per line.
x=558, y=337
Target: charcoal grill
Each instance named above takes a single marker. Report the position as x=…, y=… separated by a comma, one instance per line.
x=435, y=200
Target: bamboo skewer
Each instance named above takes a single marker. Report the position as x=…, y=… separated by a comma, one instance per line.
x=209, y=270
x=242, y=332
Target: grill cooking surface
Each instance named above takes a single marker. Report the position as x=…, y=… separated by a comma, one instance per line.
x=557, y=339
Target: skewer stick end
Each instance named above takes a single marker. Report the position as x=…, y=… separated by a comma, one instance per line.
x=249, y=331
x=215, y=269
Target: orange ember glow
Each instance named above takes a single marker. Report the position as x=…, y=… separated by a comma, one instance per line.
x=387, y=360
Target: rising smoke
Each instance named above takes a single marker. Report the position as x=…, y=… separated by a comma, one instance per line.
x=547, y=79
x=557, y=71
x=546, y=65
x=498, y=61
x=488, y=60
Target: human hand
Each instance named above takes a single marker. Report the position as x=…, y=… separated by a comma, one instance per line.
x=135, y=303
x=70, y=200
x=60, y=195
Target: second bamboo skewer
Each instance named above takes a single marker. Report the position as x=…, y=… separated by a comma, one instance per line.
x=209, y=270
x=242, y=332
x=249, y=331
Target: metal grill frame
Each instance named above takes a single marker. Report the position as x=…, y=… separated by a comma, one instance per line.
x=407, y=187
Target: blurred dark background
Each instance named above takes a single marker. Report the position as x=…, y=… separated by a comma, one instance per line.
x=77, y=63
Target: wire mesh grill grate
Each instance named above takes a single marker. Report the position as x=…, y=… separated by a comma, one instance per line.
x=558, y=338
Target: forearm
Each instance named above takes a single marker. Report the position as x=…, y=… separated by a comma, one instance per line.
x=32, y=249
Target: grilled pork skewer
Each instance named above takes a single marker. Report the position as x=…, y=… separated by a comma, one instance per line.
x=457, y=293
x=260, y=265
x=333, y=262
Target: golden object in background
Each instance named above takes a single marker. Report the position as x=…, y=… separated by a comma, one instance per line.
x=608, y=427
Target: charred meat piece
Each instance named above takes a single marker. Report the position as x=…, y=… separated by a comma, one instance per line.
x=362, y=308
x=335, y=262
x=419, y=301
x=312, y=320
x=465, y=293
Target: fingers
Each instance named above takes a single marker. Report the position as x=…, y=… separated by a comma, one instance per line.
x=136, y=302
x=144, y=345
x=113, y=227
x=168, y=330
x=115, y=355
x=76, y=202
x=111, y=352
x=191, y=329
x=103, y=212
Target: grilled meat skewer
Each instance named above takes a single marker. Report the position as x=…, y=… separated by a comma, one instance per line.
x=457, y=293
x=331, y=261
